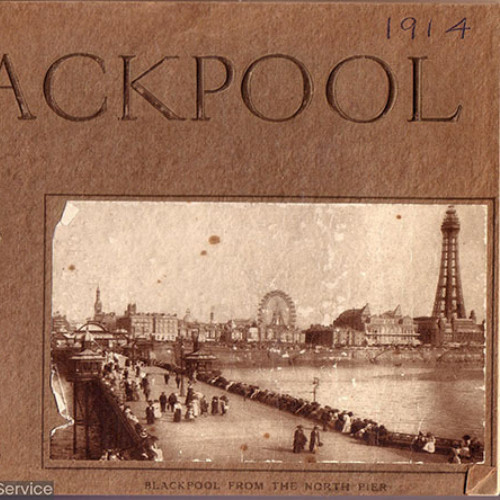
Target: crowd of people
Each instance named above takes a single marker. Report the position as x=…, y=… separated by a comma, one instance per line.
x=134, y=381
x=124, y=380
x=127, y=380
x=331, y=419
x=465, y=450
x=194, y=405
x=300, y=440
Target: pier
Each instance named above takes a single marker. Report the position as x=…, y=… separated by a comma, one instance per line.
x=99, y=422
x=113, y=420
x=253, y=432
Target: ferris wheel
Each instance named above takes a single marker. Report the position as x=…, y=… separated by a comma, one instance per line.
x=277, y=309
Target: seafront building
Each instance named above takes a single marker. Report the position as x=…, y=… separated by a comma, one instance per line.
x=388, y=328
x=330, y=336
x=190, y=328
x=155, y=326
x=233, y=330
x=361, y=328
x=447, y=325
x=276, y=318
x=60, y=323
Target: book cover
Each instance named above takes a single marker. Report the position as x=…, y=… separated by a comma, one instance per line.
x=249, y=248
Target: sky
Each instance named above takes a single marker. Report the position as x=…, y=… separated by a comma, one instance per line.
x=225, y=256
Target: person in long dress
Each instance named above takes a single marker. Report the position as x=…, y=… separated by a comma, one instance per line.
x=346, y=427
x=299, y=440
x=204, y=406
x=150, y=413
x=430, y=444
x=177, y=411
x=196, y=405
x=130, y=416
x=314, y=439
x=215, y=405
x=135, y=391
x=224, y=404
x=189, y=412
x=157, y=452
x=465, y=452
x=455, y=455
x=157, y=409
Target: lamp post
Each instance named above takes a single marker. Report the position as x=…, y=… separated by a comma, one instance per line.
x=182, y=388
x=133, y=345
x=315, y=388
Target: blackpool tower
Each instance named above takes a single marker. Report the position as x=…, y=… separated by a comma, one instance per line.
x=449, y=300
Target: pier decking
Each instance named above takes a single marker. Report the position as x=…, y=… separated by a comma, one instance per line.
x=253, y=432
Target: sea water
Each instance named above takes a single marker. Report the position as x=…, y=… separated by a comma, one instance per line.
x=448, y=400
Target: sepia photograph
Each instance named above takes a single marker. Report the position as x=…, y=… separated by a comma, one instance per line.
x=228, y=332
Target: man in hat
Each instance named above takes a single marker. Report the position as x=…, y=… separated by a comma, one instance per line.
x=326, y=418
x=215, y=405
x=299, y=440
x=163, y=402
x=314, y=440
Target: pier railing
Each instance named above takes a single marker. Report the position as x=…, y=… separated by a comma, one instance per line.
x=375, y=434
x=116, y=427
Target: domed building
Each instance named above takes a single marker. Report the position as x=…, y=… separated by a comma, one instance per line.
x=188, y=317
x=188, y=326
x=91, y=332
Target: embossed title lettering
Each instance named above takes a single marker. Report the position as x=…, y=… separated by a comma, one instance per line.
x=134, y=85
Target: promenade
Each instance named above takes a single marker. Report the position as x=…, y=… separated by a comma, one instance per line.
x=253, y=432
